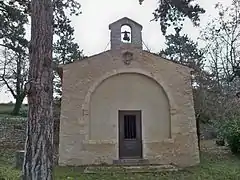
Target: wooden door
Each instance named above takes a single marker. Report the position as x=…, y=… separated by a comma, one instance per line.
x=130, y=135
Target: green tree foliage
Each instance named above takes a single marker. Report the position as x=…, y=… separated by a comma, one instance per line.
x=174, y=12
x=181, y=49
x=65, y=49
x=222, y=40
x=14, y=75
x=13, y=66
x=14, y=17
x=12, y=21
x=221, y=36
x=230, y=130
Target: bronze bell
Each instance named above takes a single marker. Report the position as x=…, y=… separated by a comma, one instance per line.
x=126, y=36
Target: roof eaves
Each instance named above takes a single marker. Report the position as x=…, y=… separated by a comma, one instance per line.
x=127, y=19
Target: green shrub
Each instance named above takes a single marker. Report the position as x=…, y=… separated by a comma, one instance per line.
x=230, y=131
x=23, y=113
x=9, y=173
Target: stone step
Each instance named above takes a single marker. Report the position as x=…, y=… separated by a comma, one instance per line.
x=130, y=162
x=130, y=169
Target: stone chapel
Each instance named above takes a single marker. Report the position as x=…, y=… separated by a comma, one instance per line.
x=127, y=105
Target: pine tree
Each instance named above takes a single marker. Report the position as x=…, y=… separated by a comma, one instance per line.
x=173, y=13
x=38, y=161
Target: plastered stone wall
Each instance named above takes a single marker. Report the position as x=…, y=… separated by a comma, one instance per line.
x=82, y=79
x=129, y=91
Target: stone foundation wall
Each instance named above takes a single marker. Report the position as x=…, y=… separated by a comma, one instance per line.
x=12, y=133
x=177, y=151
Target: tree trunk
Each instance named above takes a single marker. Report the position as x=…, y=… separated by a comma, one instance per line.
x=18, y=105
x=18, y=96
x=38, y=158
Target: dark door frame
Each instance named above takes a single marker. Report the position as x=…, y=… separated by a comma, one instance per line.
x=138, y=114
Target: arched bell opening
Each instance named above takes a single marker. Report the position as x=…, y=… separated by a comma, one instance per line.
x=126, y=34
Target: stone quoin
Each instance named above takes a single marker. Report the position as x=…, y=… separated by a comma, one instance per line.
x=127, y=104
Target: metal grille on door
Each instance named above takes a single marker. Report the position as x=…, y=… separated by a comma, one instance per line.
x=130, y=127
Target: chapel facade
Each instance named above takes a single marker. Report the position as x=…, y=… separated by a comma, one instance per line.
x=127, y=104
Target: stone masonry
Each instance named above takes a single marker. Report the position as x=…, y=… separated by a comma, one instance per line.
x=136, y=33
x=12, y=133
x=82, y=79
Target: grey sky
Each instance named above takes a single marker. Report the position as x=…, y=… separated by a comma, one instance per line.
x=91, y=27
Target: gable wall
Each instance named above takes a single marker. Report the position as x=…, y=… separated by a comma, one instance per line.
x=76, y=148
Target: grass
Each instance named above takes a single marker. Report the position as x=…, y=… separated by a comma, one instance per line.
x=6, y=109
x=212, y=167
x=216, y=164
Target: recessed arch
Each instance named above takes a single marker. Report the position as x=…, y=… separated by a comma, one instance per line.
x=100, y=80
x=107, y=75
